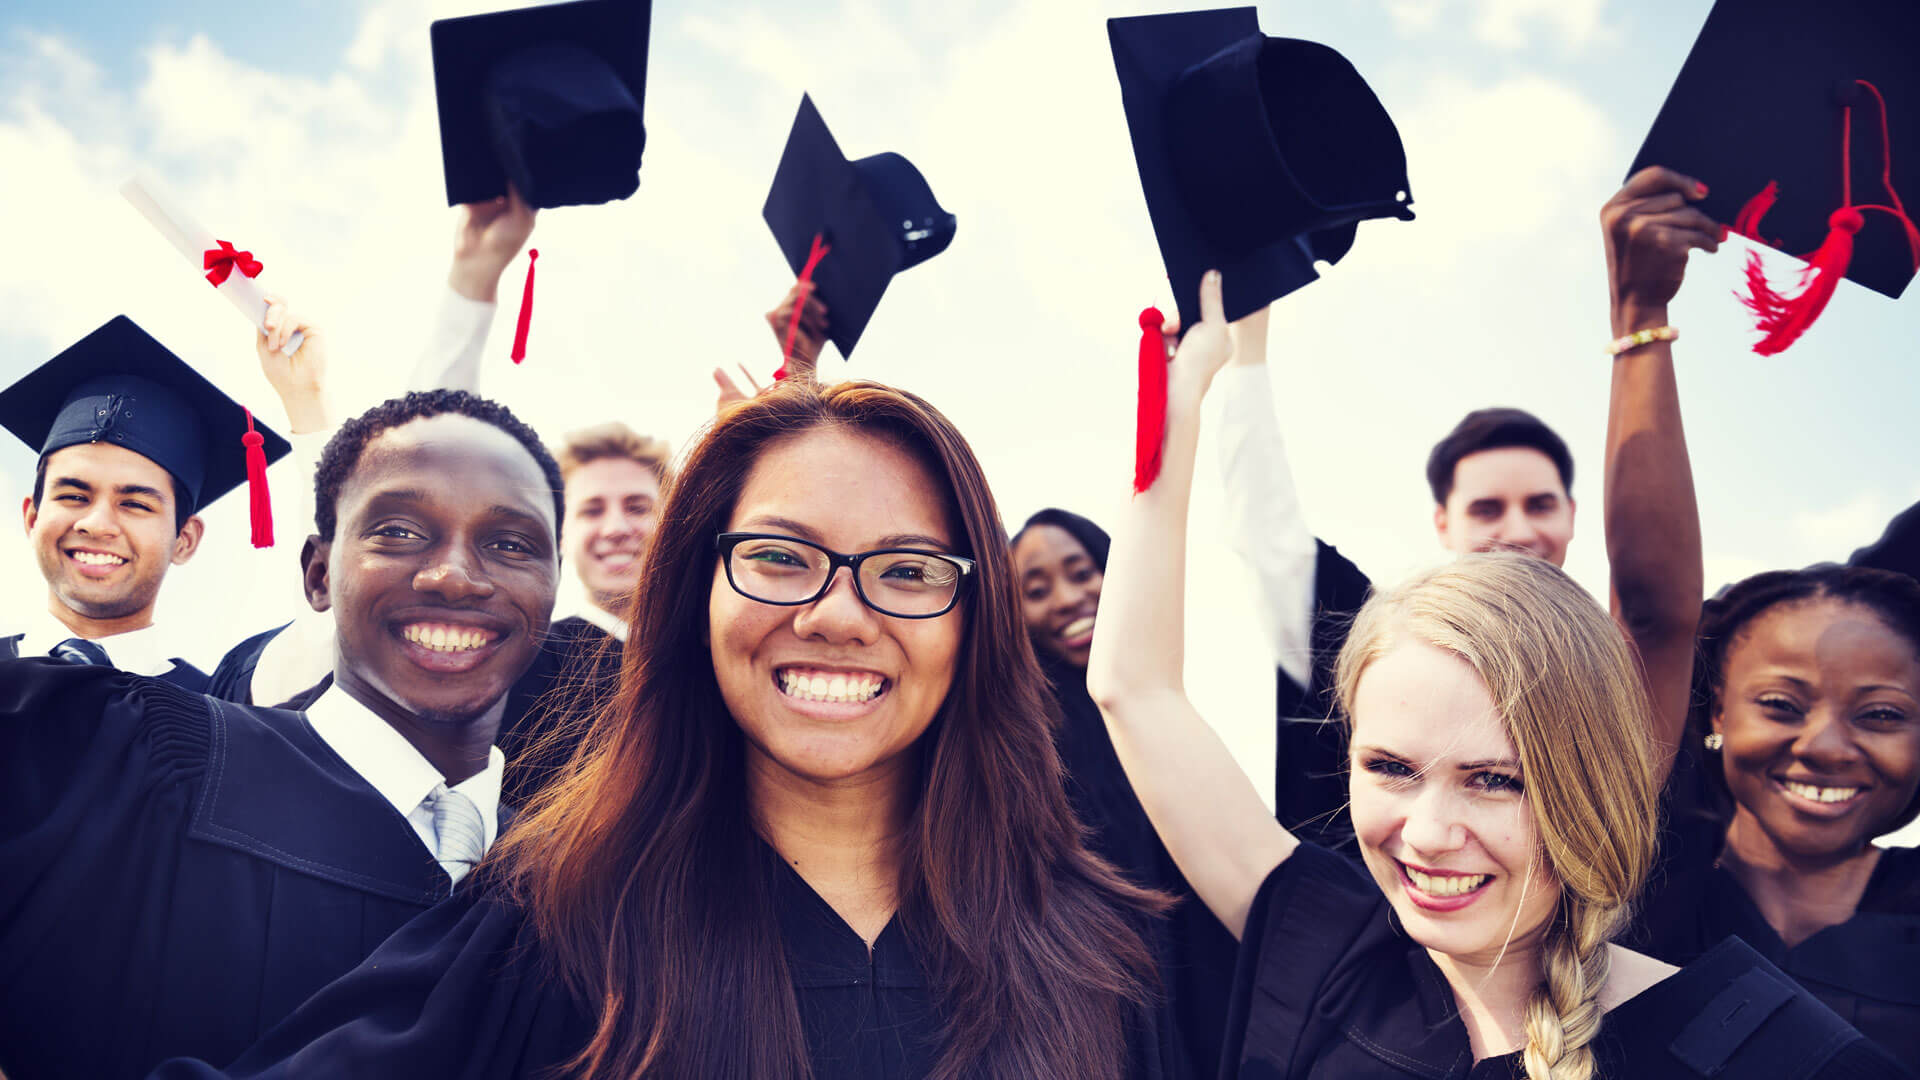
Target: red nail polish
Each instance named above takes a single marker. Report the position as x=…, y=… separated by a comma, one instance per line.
x=1703, y=189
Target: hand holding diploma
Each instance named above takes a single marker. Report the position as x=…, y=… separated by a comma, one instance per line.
x=228, y=267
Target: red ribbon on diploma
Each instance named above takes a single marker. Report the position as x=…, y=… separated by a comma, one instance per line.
x=220, y=262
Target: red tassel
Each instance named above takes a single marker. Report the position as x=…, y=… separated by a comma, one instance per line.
x=814, y=254
x=526, y=311
x=259, y=498
x=1782, y=319
x=1151, y=425
x=1747, y=221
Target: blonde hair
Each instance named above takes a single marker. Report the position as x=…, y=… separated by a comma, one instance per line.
x=1570, y=694
x=614, y=439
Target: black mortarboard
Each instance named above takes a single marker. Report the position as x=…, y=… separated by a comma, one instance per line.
x=877, y=214
x=118, y=385
x=546, y=97
x=1761, y=104
x=1258, y=155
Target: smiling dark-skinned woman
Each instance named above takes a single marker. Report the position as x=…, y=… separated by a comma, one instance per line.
x=1061, y=559
x=821, y=829
x=1803, y=748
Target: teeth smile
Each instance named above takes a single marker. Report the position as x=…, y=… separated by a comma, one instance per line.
x=447, y=639
x=1815, y=793
x=90, y=558
x=1444, y=885
x=1077, y=628
x=835, y=686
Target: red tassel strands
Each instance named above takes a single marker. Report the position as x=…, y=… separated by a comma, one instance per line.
x=814, y=254
x=259, y=498
x=1781, y=318
x=1151, y=423
x=526, y=311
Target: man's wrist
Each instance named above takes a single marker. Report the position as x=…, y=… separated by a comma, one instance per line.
x=306, y=412
x=477, y=283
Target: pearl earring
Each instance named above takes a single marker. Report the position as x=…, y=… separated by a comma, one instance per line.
x=1714, y=741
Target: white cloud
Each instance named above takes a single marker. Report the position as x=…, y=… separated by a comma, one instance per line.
x=1508, y=25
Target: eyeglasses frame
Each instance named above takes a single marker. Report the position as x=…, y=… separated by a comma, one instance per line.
x=724, y=543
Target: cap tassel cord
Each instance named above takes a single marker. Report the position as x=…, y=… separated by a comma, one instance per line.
x=1151, y=422
x=259, y=497
x=815, y=253
x=526, y=311
x=1780, y=318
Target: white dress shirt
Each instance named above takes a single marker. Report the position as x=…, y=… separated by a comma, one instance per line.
x=605, y=620
x=146, y=651
x=1264, y=523
x=384, y=758
x=301, y=655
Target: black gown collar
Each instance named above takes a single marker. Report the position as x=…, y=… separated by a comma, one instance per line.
x=276, y=791
x=823, y=951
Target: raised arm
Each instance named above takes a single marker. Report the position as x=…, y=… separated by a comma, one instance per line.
x=486, y=238
x=1652, y=521
x=1264, y=524
x=1206, y=811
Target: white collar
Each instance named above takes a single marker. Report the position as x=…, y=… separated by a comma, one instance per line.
x=385, y=759
x=605, y=620
x=137, y=652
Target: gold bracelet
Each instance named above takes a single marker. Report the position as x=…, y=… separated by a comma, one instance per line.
x=1641, y=337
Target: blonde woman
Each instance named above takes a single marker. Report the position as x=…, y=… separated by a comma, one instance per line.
x=1504, y=798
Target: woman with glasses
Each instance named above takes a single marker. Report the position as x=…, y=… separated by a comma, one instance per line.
x=820, y=831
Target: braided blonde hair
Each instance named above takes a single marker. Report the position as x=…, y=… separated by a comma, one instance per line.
x=1570, y=694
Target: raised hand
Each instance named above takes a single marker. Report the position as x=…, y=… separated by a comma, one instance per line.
x=1650, y=227
x=486, y=237
x=730, y=392
x=811, y=335
x=301, y=379
x=1203, y=350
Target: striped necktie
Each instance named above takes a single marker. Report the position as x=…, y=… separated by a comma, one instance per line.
x=458, y=831
x=80, y=651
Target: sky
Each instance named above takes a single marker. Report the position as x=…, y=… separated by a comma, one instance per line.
x=309, y=137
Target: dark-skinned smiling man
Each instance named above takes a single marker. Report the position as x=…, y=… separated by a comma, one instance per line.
x=179, y=872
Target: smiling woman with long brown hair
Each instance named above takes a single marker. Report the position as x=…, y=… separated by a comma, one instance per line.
x=821, y=829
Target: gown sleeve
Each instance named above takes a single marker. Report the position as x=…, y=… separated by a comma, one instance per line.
x=1313, y=936
x=82, y=747
x=458, y=993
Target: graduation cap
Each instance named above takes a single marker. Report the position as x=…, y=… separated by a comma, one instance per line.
x=1258, y=155
x=547, y=97
x=875, y=216
x=1803, y=120
x=118, y=385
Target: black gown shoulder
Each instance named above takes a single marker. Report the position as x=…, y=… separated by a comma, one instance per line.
x=1310, y=781
x=1328, y=986
x=1866, y=969
x=549, y=707
x=177, y=873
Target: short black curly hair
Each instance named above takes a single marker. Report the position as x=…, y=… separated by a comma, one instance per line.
x=343, y=451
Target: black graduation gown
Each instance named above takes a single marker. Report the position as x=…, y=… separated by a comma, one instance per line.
x=182, y=674
x=177, y=873
x=577, y=665
x=1867, y=969
x=1194, y=950
x=1329, y=987
x=1310, y=759
x=464, y=993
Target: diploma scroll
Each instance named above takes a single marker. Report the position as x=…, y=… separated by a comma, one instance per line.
x=192, y=240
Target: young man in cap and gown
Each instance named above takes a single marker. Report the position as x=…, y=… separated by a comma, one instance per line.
x=183, y=871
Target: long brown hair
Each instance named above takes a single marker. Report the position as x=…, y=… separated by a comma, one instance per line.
x=644, y=878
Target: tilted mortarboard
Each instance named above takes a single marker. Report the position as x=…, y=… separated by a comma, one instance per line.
x=1258, y=155
x=119, y=386
x=546, y=98
x=1802, y=119
x=876, y=215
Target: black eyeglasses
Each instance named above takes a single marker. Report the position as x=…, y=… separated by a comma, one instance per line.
x=786, y=571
